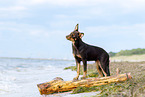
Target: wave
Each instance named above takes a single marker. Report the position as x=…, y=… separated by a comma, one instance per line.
x=51, y=59
x=23, y=74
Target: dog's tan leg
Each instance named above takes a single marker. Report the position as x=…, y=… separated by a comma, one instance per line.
x=78, y=71
x=84, y=70
x=84, y=75
x=98, y=68
x=102, y=70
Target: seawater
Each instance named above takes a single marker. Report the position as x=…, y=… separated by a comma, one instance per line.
x=19, y=77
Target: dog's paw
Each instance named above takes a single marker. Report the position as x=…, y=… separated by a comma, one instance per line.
x=75, y=79
x=83, y=77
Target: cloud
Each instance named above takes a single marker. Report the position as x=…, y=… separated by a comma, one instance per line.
x=125, y=4
x=13, y=12
x=13, y=8
x=52, y=2
x=38, y=33
x=15, y=27
x=116, y=30
x=81, y=9
x=34, y=31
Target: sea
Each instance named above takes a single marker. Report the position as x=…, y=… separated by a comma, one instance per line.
x=19, y=77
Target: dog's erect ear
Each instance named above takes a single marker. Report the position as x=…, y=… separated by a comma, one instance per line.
x=77, y=27
x=81, y=35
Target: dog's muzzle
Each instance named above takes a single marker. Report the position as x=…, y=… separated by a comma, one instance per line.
x=68, y=37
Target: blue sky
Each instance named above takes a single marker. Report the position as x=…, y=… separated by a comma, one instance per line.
x=37, y=28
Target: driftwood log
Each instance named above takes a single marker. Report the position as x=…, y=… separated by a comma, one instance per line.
x=58, y=85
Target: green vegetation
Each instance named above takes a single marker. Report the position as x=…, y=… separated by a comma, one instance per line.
x=131, y=88
x=137, y=51
x=73, y=68
x=111, y=90
x=92, y=71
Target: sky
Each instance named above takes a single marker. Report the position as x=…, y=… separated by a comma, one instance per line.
x=37, y=28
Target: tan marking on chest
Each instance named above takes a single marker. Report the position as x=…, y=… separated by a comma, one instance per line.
x=78, y=55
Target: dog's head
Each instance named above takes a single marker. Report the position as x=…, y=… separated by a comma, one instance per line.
x=73, y=36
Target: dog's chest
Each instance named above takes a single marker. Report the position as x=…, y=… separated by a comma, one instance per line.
x=76, y=52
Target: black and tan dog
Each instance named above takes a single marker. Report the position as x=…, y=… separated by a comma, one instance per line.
x=84, y=52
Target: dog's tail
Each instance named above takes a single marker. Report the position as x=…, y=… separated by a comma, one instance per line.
x=107, y=69
x=105, y=66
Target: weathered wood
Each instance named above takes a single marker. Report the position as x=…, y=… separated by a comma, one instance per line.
x=58, y=85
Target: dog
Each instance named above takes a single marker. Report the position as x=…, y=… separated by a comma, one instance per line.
x=85, y=52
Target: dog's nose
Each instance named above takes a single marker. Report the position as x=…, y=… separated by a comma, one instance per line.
x=67, y=36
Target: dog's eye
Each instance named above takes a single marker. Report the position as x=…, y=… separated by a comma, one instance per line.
x=73, y=35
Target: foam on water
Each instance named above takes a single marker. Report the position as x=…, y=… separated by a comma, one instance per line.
x=19, y=77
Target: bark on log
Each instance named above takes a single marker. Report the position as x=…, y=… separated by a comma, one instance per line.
x=58, y=85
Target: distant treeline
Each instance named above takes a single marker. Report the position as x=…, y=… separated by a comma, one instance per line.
x=137, y=51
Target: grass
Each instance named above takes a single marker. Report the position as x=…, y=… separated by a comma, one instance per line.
x=131, y=88
x=133, y=58
x=92, y=72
